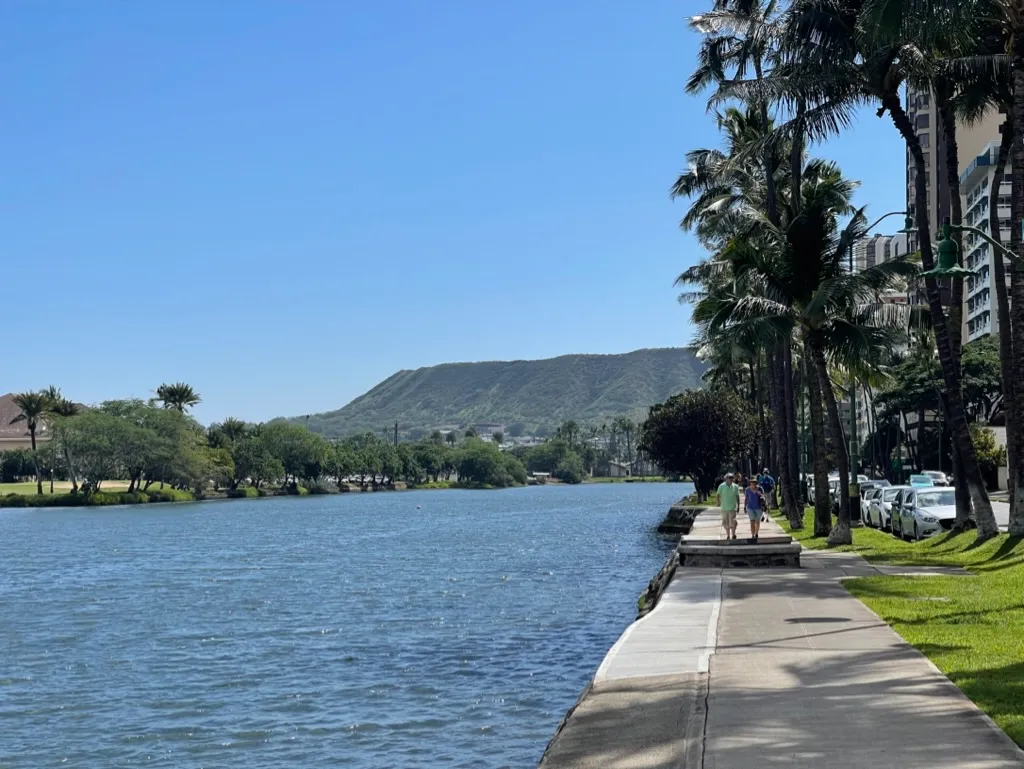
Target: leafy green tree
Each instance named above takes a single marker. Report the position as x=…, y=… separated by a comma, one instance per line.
x=95, y=437
x=698, y=433
x=990, y=455
x=15, y=465
x=545, y=457
x=570, y=469
x=451, y=438
x=343, y=462
x=437, y=437
x=431, y=456
x=33, y=407
x=481, y=463
x=255, y=463
x=470, y=433
x=498, y=436
x=179, y=396
x=516, y=430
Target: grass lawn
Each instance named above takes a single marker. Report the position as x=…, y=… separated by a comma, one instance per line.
x=972, y=628
x=59, y=487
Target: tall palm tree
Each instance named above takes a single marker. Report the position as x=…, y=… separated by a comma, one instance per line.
x=841, y=56
x=34, y=407
x=178, y=396
x=63, y=409
x=749, y=173
x=795, y=282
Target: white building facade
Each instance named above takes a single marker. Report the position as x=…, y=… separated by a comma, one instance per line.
x=980, y=191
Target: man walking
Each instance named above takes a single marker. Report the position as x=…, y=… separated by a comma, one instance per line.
x=768, y=485
x=729, y=501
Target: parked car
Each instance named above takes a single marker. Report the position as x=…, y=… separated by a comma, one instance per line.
x=938, y=477
x=925, y=512
x=921, y=480
x=880, y=507
x=867, y=492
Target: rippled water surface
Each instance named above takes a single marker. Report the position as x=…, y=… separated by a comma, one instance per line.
x=421, y=629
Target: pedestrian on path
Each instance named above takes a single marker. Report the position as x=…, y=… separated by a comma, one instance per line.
x=753, y=501
x=729, y=501
x=768, y=484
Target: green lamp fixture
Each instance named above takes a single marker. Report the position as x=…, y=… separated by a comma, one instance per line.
x=909, y=227
x=948, y=252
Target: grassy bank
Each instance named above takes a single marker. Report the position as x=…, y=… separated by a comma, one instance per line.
x=970, y=627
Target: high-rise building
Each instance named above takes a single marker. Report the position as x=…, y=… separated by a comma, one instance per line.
x=980, y=190
x=876, y=249
x=971, y=141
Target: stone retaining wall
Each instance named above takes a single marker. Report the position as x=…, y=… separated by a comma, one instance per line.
x=679, y=519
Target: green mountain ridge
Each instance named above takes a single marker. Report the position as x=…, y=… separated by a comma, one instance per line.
x=535, y=393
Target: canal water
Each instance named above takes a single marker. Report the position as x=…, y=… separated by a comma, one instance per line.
x=420, y=629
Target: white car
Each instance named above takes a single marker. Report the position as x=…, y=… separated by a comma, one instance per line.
x=880, y=507
x=938, y=477
x=926, y=511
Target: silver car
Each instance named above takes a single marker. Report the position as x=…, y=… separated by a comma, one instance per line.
x=938, y=477
x=925, y=512
x=880, y=507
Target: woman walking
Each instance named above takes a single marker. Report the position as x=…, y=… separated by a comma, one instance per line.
x=753, y=502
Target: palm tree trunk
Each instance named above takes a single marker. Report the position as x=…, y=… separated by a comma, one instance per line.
x=840, y=534
x=757, y=385
x=1016, y=526
x=987, y=526
x=952, y=160
x=792, y=456
x=35, y=460
x=1013, y=433
x=71, y=468
x=822, y=503
x=776, y=380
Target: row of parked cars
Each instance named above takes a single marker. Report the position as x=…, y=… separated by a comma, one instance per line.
x=922, y=508
x=925, y=506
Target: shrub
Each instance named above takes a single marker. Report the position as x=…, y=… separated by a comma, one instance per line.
x=14, y=500
x=320, y=489
x=170, y=495
x=100, y=498
x=243, y=492
x=134, y=498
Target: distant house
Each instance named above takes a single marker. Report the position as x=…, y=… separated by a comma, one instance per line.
x=14, y=435
x=619, y=469
x=487, y=429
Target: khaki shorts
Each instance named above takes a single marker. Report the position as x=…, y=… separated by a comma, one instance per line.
x=729, y=519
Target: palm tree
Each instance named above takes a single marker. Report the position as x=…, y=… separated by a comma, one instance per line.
x=34, y=407
x=178, y=396
x=792, y=279
x=750, y=173
x=841, y=56
x=63, y=409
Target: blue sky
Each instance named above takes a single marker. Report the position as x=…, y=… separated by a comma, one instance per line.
x=283, y=203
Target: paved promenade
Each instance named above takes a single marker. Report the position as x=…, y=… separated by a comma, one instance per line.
x=739, y=668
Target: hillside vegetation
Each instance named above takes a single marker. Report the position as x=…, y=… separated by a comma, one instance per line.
x=530, y=394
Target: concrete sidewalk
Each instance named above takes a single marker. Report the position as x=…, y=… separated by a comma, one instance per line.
x=782, y=667
x=805, y=675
